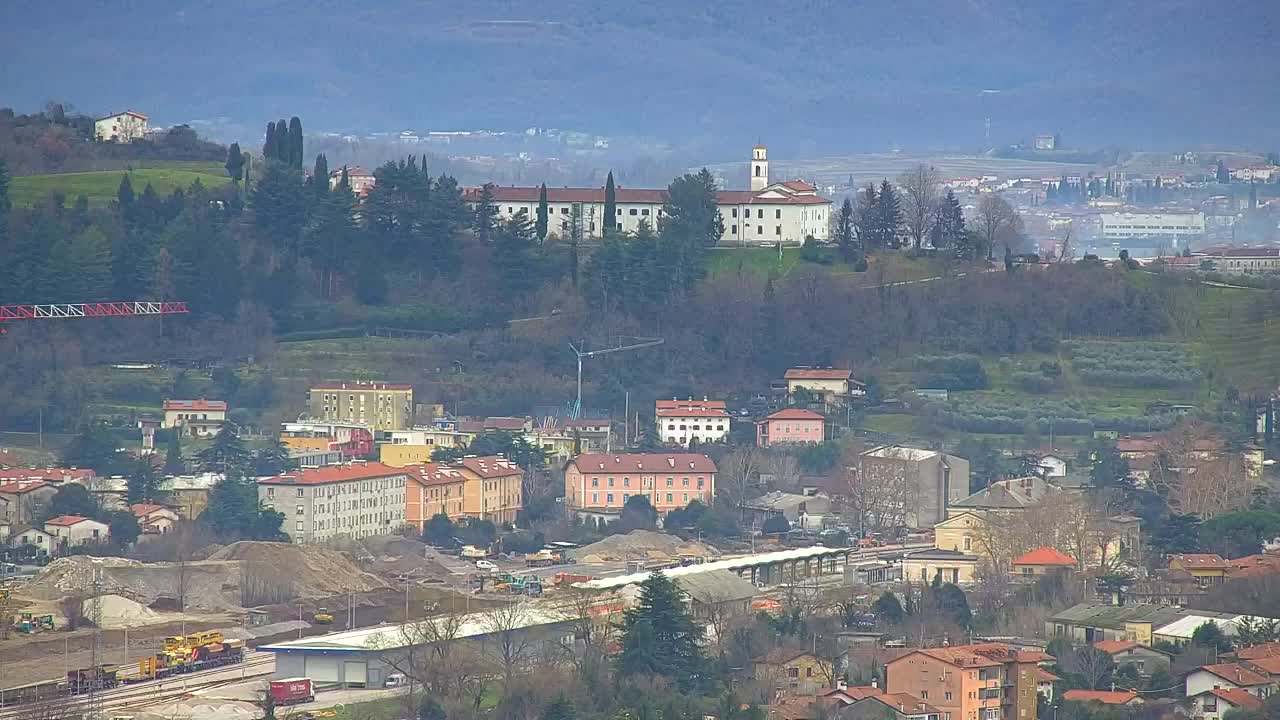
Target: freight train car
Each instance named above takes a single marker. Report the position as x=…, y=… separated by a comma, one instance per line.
x=33, y=692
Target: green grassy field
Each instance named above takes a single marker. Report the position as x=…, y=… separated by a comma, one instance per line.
x=760, y=262
x=100, y=187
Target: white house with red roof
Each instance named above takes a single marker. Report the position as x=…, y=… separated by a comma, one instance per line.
x=785, y=212
x=1214, y=703
x=682, y=422
x=121, y=127
x=154, y=519
x=357, y=500
x=22, y=500
x=1042, y=561
x=71, y=530
x=195, y=418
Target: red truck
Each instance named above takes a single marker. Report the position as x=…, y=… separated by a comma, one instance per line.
x=292, y=690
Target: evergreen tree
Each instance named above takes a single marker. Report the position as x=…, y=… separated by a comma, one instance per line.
x=320, y=177
x=950, y=224
x=514, y=256
x=1222, y=175
x=93, y=448
x=72, y=499
x=269, y=145
x=279, y=205
x=771, y=330
x=485, y=216
x=330, y=230
x=692, y=224
x=659, y=637
x=235, y=162
x=888, y=219
x=371, y=280
x=610, y=205
x=143, y=481
x=273, y=460
x=889, y=609
x=846, y=236
x=865, y=222
x=295, y=142
x=607, y=272
x=560, y=709
x=125, y=200
x=281, y=152
x=5, y=204
x=173, y=462
x=227, y=455
x=544, y=215
x=1253, y=195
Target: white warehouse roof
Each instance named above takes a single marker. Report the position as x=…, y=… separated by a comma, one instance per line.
x=739, y=563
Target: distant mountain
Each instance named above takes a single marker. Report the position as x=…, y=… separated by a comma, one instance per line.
x=802, y=74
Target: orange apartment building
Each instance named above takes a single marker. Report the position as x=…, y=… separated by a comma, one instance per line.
x=486, y=488
x=599, y=484
x=988, y=681
x=434, y=489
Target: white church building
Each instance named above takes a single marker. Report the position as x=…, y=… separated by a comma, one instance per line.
x=786, y=212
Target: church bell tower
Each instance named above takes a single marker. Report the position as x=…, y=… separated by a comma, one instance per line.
x=759, y=168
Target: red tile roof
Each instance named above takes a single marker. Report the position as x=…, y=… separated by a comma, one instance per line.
x=201, y=404
x=1254, y=565
x=48, y=474
x=673, y=404
x=817, y=374
x=126, y=112
x=1257, y=652
x=1107, y=697
x=333, y=474
x=504, y=423
x=634, y=196
x=19, y=487
x=644, y=462
x=361, y=386
x=434, y=474
x=795, y=414
x=65, y=520
x=856, y=692
x=491, y=466
x=694, y=412
x=905, y=703
x=1235, y=673
x=1199, y=561
x=798, y=186
x=1043, y=675
x=1111, y=647
x=1046, y=556
x=145, y=509
x=1237, y=697
x=1270, y=664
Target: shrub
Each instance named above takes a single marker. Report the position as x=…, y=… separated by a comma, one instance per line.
x=1142, y=365
x=953, y=372
x=1032, y=382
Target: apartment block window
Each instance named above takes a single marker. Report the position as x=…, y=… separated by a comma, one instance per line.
x=564, y=211
x=619, y=211
x=946, y=696
x=271, y=492
x=595, y=498
x=645, y=212
x=733, y=229
x=669, y=500
x=595, y=482
x=299, y=511
x=924, y=694
x=632, y=211
x=670, y=482
x=760, y=214
x=300, y=492
x=510, y=209
x=759, y=229
x=778, y=230
x=610, y=498
x=734, y=212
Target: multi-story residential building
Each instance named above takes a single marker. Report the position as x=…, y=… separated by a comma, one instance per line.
x=70, y=530
x=434, y=489
x=121, y=127
x=796, y=672
x=494, y=488
x=934, y=480
x=1215, y=703
x=344, y=501
x=1176, y=228
x=988, y=681
x=948, y=565
x=826, y=384
x=353, y=440
x=789, y=426
x=1240, y=259
x=21, y=501
x=195, y=418
x=785, y=212
x=682, y=422
x=380, y=406
x=599, y=484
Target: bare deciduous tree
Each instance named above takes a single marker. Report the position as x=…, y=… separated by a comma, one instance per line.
x=880, y=488
x=508, y=638
x=740, y=470
x=919, y=201
x=785, y=470
x=997, y=222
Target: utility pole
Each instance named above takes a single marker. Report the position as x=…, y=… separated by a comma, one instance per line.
x=580, y=351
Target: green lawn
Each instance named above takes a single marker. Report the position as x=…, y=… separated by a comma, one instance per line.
x=100, y=187
x=757, y=261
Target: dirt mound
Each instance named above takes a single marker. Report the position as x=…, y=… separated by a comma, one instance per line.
x=211, y=586
x=399, y=556
x=310, y=571
x=111, y=612
x=641, y=545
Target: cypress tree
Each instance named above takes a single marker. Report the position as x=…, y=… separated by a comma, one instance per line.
x=4, y=202
x=295, y=142
x=1222, y=175
x=281, y=149
x=544, y=215
x=486, y=215
x=269, y=145
x=235, y=162
x=125, y=200
x=173, y=463
x=610, y=205
x=320, y=176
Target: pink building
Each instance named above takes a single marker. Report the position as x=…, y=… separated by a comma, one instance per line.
x=601, y=483
x=792, y=425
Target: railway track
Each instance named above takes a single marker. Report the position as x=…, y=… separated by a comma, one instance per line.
x=154, y=692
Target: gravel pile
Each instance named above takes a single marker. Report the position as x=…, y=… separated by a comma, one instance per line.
x=112, y=612
x=210, y=586
x=311, y=571
x=641, y=545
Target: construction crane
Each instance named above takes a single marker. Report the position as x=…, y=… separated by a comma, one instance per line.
x=619, y=347
x=13, y=313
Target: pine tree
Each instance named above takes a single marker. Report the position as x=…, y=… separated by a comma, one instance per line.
x=770, y=330
x=235, y=162
x=1222, y=175
x=865, y=223
x=80, y=266
x=125, y=200
x=560, y=709
x=279, y=204
x=143, y=482
x=610, y=205
x=888, y=216
x=659, y=637
x=485, y=216
x=4, y=204
x=544, y=215
x=173, y=462
x=269, y=145
x=227, y=455
x=320, y=176
x=514, y=256
x=295, y=142
x=845, y=234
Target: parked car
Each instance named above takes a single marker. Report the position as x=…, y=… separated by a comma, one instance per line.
x=395, y=680
x=486, y=565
